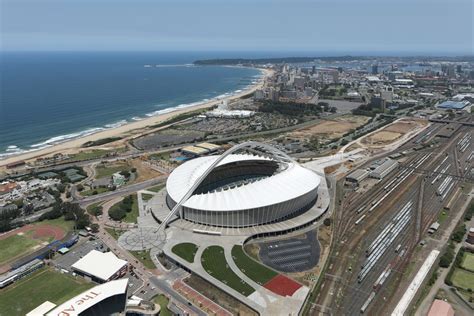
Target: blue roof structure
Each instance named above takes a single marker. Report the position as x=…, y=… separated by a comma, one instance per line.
x=453, y=105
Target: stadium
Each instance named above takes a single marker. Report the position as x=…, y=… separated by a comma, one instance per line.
x=258, y=186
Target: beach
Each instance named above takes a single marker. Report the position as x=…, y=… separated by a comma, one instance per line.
x=129, y=130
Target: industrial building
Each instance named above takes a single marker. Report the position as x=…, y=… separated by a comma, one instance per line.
x=242, y=190
x=356, y=176
x=200, y=149
x=384, y=168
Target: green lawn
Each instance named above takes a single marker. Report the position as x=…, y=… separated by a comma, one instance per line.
x=60, y=222
x=185, y=250
x=43, y=285
x=442, y=216
x=468, y=261
x=463, y=279
x=94, y=207
x=91, y=191
x=130, y=217
x=113, y=232
x=163, y=301
x=15, y=246
x=89, y=154
x=214, y=262
x=147, y=197
x=156, y=188
x=251, y=268
x=144, y=257
x=107, y=171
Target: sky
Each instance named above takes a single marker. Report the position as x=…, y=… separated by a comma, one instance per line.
x=332, y=26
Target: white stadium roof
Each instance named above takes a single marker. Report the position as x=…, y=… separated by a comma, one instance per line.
x=288, y=184
x=91, y=297
x=101, y=265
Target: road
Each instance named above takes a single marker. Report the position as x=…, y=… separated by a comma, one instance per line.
x=145, y=275
x=126, y=190
x=164, y=286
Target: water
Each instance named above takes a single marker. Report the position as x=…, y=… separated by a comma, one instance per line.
x=46, y=98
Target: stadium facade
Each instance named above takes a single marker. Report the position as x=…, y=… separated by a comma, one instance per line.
x=241, y=190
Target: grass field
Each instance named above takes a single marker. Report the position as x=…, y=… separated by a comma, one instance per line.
x=468, y=262
x=43, y=285
x=214, y=262
x=144, y=257
x=130, y=217
x=60, y=222
x=89, y=154
x=163, y=302
x=15, y=246
x=107, y=171
x=254, y=270
x=113, y=232
x=186, y=250
x=463, y=279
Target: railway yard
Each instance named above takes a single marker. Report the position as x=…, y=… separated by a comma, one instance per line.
x=381, y=230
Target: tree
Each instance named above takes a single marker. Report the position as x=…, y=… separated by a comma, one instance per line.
x=80, y=187
x=117, y=213
x=94, y=228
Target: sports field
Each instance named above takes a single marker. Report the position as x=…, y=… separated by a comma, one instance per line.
x=251, y=268
x=24, y=240
x=463, y=279
x=214, y=262
x=185, y=250
x=43, y=285
x=468, y=261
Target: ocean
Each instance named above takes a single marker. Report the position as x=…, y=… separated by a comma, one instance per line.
x=47, y=98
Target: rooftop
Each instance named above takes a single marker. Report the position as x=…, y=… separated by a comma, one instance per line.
x=101, y=265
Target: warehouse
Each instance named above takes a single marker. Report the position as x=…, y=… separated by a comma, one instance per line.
x=387, y=166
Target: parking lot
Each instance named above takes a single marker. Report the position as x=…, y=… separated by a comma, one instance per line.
x=293, y=254
x=82, y=248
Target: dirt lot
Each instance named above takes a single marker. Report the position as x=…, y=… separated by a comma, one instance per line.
x=331, y=129
x=391, y=133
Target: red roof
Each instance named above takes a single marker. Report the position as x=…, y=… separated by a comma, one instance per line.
x=282, y=285
x=441, y=308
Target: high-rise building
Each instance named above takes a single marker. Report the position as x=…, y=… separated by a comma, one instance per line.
x=375, y=69
x=450, y=71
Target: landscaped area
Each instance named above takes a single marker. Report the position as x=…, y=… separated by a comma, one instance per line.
x=156, y=188
x=43, y=285
x=463, y=279
x=144, y=258
x=468, y=261
x=163, y=301
x=126, y=210
x=254, y=270
x=214, y=262
x=186, y=250
x=114, y=232
x=94, y=191
x=109, y=170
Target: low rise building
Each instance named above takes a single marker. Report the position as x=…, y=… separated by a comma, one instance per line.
x=100, y=266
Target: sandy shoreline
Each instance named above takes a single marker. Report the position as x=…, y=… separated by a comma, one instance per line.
x=75, y=144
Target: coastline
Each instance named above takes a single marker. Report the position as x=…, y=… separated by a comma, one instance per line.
x=74, y=145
